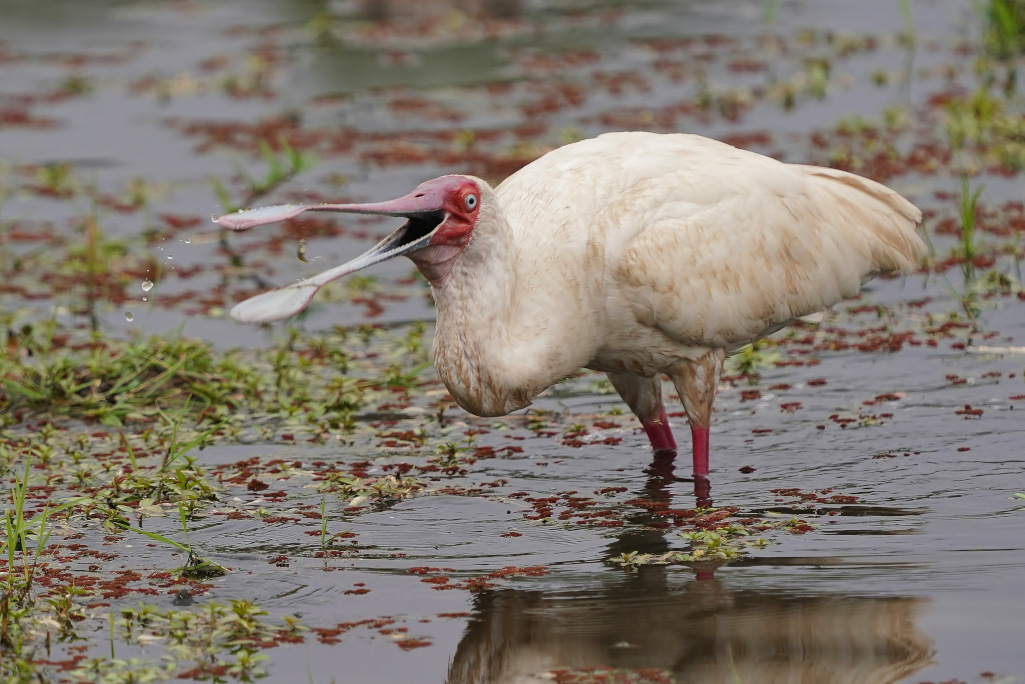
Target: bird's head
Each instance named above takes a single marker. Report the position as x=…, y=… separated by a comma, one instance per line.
x=447, y=228
x=440, y=218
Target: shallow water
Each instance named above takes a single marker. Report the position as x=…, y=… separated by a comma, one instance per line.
x=915, y=574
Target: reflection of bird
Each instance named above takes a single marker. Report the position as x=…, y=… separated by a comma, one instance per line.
x=703, y=633
x=636, y=254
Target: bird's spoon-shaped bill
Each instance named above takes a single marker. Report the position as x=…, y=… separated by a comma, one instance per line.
x=414, y=204
x=275, y=305
x=291, y=299
x=424, y=207
x=250, y=218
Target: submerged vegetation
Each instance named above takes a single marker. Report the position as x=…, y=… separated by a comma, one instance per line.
x=108, y=434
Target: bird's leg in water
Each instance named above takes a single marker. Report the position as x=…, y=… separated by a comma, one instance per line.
x=702, y=484
x=696, y=382
x=660, y=434
x=644, y=397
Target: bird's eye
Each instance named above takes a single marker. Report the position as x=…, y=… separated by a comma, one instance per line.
x=471, y=202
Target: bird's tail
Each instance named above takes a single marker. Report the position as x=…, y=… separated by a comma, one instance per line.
x=890, y=220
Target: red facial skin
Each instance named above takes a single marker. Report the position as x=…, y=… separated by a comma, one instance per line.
x=462, y=208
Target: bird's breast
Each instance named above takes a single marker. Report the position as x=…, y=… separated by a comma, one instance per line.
x=476, y=379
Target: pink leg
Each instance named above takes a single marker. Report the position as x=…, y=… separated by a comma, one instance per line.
x=644, y=397
x=699, y=436
x=696, y=381
x=702, y=485
x=659, y=433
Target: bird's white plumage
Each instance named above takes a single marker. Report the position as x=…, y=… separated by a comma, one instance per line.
x=631, y=251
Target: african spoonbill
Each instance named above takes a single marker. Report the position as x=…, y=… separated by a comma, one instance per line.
x=636, y=254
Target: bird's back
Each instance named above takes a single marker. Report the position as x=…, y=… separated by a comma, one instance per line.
x=570, y=185
x=704, y=243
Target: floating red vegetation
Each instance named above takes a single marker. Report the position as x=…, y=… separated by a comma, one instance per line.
x=21, y=117
x=822, y=496
x=544, y=63
x=271, y=519
x=436, y=580
x=481, y=582
x=409, y=644
x=746, y=65
x=843, y=499
x=968, y=412
x=62, y=665
x=424, y=108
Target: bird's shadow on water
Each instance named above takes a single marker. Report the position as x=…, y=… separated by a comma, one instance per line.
x=689, y=629
x=704, y=631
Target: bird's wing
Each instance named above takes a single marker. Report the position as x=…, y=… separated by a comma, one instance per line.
x=728, y=255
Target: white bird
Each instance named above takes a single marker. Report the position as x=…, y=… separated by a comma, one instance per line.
x=636, y=254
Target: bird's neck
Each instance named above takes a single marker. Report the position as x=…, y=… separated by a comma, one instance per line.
x=497, y=346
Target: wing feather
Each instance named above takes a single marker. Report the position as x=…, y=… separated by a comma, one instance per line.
x=728, y=257
x=707, y=243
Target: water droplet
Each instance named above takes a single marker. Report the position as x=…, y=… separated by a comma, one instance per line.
x=187, y=241
x=147, y=285
x=145, y=299
x=129, y=316
x=169, y=257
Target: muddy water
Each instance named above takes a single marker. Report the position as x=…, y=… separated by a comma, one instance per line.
x=916, y=573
